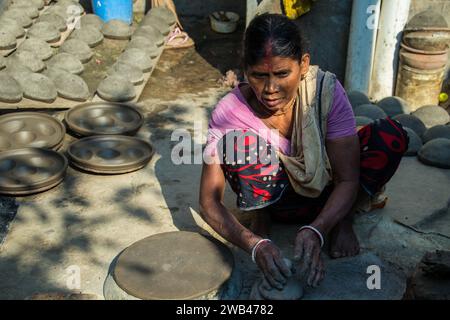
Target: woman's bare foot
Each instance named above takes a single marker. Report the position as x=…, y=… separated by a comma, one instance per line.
x=343, y=240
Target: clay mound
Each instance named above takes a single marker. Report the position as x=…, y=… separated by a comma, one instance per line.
x=363, y=121
x=66, y=62
x=371, y=111
x=117, y=29
x=159, y=24
x=10, y=90
x=57, y=21
x=436, y=153
x=164, y=13
x=38, y=4
x=91, y=20
x=71, y=86
x=15, y=69
x=129, y=72
x=89, y=35
x=36, y=86
x=415, y=143
x=358, y=98
x=52, y=73
x=145, y=44
x=12, y=26
x=44, y=31
x=411, y=122
x=39, y=47
x=137, y=58
x=77, y=48
x=150, y=33
x=30, y=60
x=439, y=131
x=432, y=115
x=116, y=89
x=29, y=9
x=7, y=40
x=2, y=62
x=18, y=15
x=394, y=106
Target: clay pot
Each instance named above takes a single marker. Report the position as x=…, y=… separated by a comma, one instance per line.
x=423, y=61
x=427, y=40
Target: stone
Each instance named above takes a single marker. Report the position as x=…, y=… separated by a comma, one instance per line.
x=67, y=62
x=138, y=58
x=7, y=40
x=88, y=34
x=44, y=31
x=130, y=72
x=37, y=86
x=57, y=21
x=371, y=111
x=436, y=153
x=10, y=90
x=12, y=26
x=116, y=89
x=393, y=106
x=439, y=131
x=78, y=49
x=144, y=44
x=357, y=98
x=117, y=29
x=70, y=86
x=411, y=122
x=30, y=60
x=29, y=9
x=18, y=15
x=91, y=20
x=363, y=121
x=39, y=47
x=415, y=143
x=432, y=115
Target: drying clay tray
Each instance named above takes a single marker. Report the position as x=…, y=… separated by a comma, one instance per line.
x=30, y=170
x=174, y=265
x=110, y=154
x=99, y=118
x=30, y=129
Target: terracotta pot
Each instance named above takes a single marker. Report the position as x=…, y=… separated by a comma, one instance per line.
x=413, y=50
x=427, y=40
x=423, y=61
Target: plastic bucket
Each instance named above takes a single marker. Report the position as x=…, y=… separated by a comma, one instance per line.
x=114, y=9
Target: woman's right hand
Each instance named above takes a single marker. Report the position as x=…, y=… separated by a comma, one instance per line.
x=269, y=260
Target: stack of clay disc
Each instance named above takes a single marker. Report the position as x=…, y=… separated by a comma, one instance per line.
x=171, y=266
x=30, y=170
x=30, y=129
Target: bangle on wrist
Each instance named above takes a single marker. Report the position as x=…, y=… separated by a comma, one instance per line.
x=316, y=231
x=255, y=247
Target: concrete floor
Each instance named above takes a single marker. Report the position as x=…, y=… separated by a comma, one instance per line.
x=88, y=219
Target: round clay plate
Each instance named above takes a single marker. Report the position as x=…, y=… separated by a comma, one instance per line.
x=30, y=129
x=104, y=118
x=110, y=154
x=30, y=170
x=175, y=265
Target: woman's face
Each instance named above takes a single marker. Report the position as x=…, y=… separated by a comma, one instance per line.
x=275, y=80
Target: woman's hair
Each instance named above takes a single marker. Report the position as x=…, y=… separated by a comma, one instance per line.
x=272, y=35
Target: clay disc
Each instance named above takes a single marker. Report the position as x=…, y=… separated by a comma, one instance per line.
x=439, y=131
x=104, y=118
x=158, y=23
x=91, y=20
x=131, y=73
x=12, y=26
x=36, y=86
x=44, y=31
x=10, y=90
x=7, y=40
x=110, y=154
x=138, y=58
x=88, y=34
x=432, y=115
x=16, y=70
x=415, y=143
x=363, y=121
x=164, y=13
x=38, y=4
x=66, y=62
x=411, y=122
x=145, y=44
x=78, y=49
x=39, y=47
x=116, y=89
x=57, y=21
x=371, y=111
x=358, y=98
x=155, y=268
x=436, y=153
x=30, y=129
x=29, y=9
x=68, y=85
x=393, y=106
x=150, y=33
x=30, y=170
x=117, y=29
x=18, y=15
x=29, y=60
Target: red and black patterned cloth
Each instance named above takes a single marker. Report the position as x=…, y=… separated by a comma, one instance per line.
x=258, y=177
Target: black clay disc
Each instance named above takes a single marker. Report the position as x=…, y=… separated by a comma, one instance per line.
x=110, y=154
x=99, y=118
x=30, y=129
x=30, y=170
x=173, y=265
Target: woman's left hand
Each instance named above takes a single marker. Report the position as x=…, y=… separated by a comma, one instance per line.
x=307, y=251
